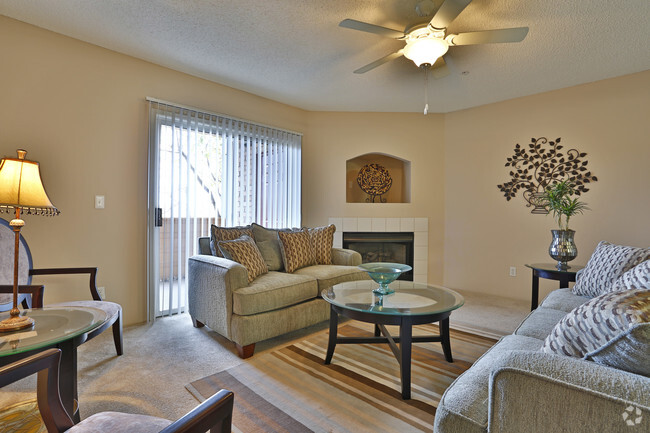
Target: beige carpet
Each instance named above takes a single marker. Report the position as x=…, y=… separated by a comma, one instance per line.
x=491, y=316
x=290, y=390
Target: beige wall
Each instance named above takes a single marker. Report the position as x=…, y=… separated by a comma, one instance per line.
x=80, y=111
x=485, y=234
x=334, y=138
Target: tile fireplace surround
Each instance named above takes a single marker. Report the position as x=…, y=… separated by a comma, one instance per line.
x=418, y=226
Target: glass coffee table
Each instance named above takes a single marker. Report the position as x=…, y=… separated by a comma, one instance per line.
x=411, y=304
x=63, y=328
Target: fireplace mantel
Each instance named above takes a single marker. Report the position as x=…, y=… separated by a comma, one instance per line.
x=419, y=227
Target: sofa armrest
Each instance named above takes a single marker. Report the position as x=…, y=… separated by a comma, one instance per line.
x=345, y=257
x=537, y=392
x=211, y=282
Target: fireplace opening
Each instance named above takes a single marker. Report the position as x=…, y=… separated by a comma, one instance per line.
x=394, y=247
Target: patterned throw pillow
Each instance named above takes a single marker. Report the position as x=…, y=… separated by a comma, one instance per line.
x=636, y=278
x=322, y=240
x=296, y=250
x=611, y=329
x=226, y=234
x=607, y=263
x=245, y=252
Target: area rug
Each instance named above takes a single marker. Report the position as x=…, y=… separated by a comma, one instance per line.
x=291, y=390
x=22, y=417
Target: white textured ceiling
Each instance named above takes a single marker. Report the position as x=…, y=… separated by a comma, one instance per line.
x=294, y=51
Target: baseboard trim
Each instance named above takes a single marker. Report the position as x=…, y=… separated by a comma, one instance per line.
x=476, y=331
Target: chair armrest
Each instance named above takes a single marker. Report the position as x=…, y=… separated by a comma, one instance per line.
x=211, y=282
x=214, y=414
x=92, y=272
x=36, y=292
x=345, y=257
x=536, y=392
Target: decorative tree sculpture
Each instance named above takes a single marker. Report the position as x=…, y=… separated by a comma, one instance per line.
x=542, y=165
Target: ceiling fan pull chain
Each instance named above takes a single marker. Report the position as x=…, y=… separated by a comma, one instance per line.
x=426, y=91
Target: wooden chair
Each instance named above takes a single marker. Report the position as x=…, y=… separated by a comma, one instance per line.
x=7, y=238
x=214, y=414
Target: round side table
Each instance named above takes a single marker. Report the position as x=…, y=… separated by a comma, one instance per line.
x=550, y=271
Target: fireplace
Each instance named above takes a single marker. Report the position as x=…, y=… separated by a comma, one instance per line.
x=395, y=247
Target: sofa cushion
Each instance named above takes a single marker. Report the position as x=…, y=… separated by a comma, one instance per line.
x=613, y=325
x=563, y=300
x=272, y=291
x=464, y=405
x=226, y=234
x=540, y=323
x=328, y=275
x=296, y=249
x=269, y=245
x=607, y=263
x=636, y=278
x=322, y=240
x=244, y=251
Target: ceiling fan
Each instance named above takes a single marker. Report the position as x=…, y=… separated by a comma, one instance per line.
x=426, y=43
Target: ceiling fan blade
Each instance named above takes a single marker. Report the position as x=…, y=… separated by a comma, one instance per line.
x=379, y=62
x=439, y=69
x=371, y=28
x=516, y=34
x=448, y=12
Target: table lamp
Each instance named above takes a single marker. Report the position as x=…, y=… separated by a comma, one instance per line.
x=21, y=189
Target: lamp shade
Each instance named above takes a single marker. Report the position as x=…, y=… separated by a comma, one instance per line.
x=21, y=186
x=425, y=50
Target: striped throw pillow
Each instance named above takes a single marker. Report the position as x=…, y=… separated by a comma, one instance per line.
x=322, y=240
x=296, y=249
x=245, y=252
x=226, y=234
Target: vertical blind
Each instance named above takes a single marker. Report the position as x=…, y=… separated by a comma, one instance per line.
x=261, y=175
x=204, y=169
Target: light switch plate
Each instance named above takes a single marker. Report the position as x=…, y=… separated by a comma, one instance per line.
x=99, y=202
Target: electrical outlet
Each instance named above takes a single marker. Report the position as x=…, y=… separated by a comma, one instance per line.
x=102, y=292
x=513, y=271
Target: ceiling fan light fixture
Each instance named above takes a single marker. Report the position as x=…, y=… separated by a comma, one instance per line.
x=425, y=50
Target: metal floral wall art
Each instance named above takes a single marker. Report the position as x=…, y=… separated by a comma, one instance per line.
x=541, y=165
x=374, y=180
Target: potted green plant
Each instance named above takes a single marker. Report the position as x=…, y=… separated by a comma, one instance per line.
x=558, y=201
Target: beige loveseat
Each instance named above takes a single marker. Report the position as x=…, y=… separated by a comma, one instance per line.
x=273, y=304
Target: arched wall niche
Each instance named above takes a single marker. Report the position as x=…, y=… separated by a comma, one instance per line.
x=399, y=170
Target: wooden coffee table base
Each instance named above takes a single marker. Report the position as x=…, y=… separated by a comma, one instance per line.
x=405, y=339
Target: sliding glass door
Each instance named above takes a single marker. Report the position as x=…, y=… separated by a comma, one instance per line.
x=209, y=169
x=185, y=173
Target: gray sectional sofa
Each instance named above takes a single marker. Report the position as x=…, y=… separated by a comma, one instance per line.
x=516, y=387
x=273, y=304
